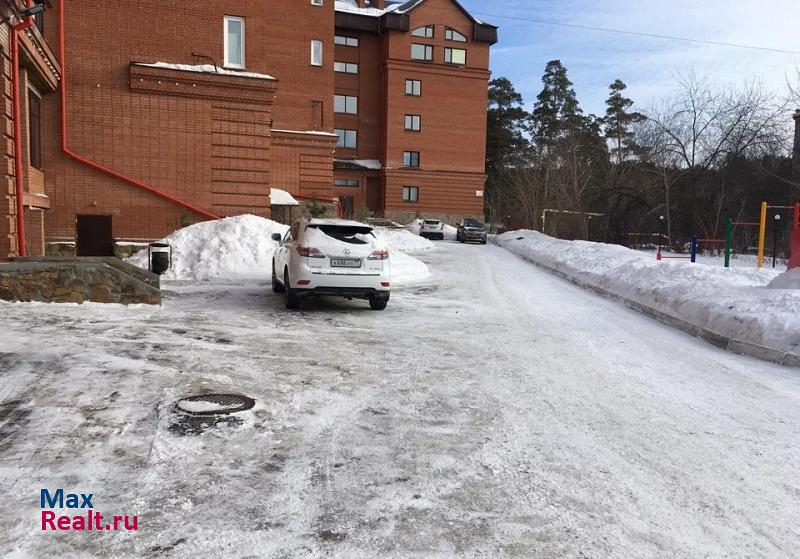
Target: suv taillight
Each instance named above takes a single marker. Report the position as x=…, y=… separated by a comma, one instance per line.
x=379, y=255
x=310, y=252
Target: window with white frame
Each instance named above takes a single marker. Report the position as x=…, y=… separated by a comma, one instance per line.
x=421, y=52
x=345, y=104
x=453, y=35
x=426, y=32
x=411, y=159
x=414, y=87
x=234, y=42
x=410, y=194
x=413, y=122
x=345, y=41
x=347, y=138
x=316, y=53
x=455, y=56
x=345, y=67
x=317, y=2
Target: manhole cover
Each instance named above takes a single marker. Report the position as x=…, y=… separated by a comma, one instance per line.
x=215, y=404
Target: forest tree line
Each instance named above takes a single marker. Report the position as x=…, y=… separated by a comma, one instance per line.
x=681, y=168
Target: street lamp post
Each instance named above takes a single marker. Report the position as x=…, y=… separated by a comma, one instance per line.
x=660, y=231
x=589, y=235
x=775, y=238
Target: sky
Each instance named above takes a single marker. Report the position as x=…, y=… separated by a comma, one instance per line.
x=650, y=67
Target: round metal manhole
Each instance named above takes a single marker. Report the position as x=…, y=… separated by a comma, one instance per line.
x=215, y=404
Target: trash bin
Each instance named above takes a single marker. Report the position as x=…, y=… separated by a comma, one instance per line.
x=160, y=257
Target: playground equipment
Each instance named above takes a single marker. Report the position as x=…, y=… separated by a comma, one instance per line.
x=692, y=254
x=794, y=260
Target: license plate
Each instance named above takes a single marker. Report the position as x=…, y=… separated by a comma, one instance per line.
x=345, y=262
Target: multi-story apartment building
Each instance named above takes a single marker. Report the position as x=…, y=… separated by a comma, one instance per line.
x=410, y=107
x=157, y=113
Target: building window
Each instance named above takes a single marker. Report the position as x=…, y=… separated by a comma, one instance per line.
x=455, y=56
x=317, y=2
x=426, y=32
x=346, y=183
x=414, y=87
x=453, y=35
x=410, y=194
x=234, y=42
x=346, y=41
x=421, y=52
x=345, y=67
x=413, y=122
x=347, y=138
x=345, y=104
x=316, y=53
x=411, y=159
x=35, y=125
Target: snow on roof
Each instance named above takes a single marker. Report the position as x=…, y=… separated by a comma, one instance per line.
x=372, y=164
x=278, y=197
x=312, y=132
x=205, y=69
x=351, y=7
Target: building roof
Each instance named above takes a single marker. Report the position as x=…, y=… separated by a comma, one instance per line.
x=396, y=7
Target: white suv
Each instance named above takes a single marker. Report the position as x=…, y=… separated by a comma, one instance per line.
x=319, y=257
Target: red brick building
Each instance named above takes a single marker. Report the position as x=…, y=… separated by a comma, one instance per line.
x=29, y=74
x=417, y=73
x=159, y=113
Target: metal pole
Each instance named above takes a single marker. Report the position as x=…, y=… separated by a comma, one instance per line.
x=728, y=241
x=590, y=229
x=775, y=239
x=694, y=249
x=660, y=231
x=762, y=231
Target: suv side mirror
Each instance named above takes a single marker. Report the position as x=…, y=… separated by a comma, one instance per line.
x=276, y=237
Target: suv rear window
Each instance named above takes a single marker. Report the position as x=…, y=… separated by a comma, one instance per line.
x=431, y=222
x=346, y=234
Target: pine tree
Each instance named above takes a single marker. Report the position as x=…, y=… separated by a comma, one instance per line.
x=618, y=122
x=556, y=108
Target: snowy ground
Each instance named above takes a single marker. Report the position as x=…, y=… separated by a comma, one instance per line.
x=495, y=411
x=738, y=303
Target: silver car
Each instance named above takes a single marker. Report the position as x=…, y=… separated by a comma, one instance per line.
x=432, y=229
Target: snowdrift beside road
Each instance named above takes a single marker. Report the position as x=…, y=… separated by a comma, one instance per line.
x=732, y=302
x=404, y=240
x=787, y=280
x=240, y=249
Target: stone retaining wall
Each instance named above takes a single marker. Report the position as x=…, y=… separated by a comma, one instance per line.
x=74, y=280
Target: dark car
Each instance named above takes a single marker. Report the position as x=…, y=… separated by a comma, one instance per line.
x=472, y=230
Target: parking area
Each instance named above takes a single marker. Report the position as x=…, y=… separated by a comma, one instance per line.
x=491, y=410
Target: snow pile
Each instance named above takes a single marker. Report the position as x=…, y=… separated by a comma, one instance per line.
x=733, y=302
x=234, y=248
x=403, y=240
x=406, y=269
x=787, y=280
x=240, y=249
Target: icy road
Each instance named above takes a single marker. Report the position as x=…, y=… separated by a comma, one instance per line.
x=495, y=411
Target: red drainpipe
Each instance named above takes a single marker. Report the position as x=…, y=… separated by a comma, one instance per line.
x=92, y=164
x=22, y=244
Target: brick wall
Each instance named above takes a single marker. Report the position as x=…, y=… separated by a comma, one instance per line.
x=214, y=151
x=452, y=107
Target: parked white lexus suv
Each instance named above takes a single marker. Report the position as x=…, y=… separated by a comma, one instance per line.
x=331, y=257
